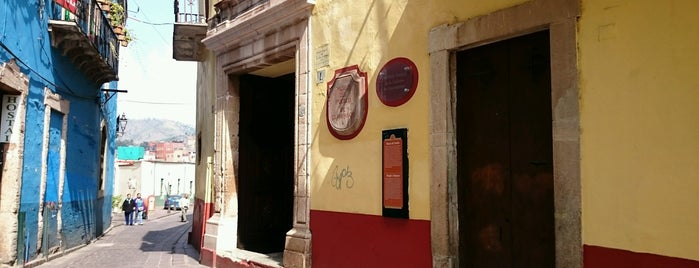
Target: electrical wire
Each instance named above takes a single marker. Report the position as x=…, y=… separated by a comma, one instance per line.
x=64, y=89
x=151, y=23
x=158, y=103
x=58, y=88
x=154, y=28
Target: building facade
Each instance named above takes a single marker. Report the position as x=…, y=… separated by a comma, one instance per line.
x=58, y=72
x=445, y=133
x=171, y=151
x=154, y=179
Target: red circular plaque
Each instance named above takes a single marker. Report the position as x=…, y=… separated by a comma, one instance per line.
x=396, y=82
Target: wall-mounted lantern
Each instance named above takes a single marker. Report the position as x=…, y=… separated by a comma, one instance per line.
x=121, y=124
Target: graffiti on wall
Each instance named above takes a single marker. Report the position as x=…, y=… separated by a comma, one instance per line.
x=342, y=178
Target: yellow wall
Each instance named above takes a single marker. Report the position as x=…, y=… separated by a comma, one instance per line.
x=368, y=34
x=639, y=78
x=206, y=98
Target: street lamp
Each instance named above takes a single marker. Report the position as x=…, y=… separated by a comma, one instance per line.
x=121, y=124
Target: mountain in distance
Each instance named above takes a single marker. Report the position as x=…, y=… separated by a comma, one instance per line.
x=139, y=131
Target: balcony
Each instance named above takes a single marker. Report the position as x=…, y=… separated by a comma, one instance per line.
x=189, y=29
x=83, y=33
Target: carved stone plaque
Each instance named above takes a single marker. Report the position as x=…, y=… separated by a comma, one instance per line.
x=347, y=102
x=397, y=82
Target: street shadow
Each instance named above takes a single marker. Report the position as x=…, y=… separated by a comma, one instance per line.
x=167, y=239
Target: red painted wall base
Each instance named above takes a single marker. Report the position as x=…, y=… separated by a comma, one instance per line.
x=356, y=240
x=602, y=257
x=201, y=213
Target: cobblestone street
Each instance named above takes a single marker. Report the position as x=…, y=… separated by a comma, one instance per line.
x=160, y=242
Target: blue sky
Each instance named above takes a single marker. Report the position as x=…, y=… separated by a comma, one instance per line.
x=158, y=86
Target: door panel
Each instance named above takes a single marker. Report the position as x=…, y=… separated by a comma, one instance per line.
x=266, y=157
x=483, y=157
x=531, y=151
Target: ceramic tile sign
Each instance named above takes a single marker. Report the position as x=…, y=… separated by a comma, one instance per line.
x=347, y=102
x=395, y=173
x=396, y=82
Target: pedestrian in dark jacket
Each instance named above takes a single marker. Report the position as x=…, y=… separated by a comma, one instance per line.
x=128, y=207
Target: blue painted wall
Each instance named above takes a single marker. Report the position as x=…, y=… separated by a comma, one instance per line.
x=85, y=210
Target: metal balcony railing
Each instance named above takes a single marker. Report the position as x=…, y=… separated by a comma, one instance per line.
x=227, y=10
x=97, y=45
x=188, y=11
x=189, y=29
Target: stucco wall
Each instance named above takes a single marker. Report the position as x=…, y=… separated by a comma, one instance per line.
x=369, y=34
x=84, y=211
x=638, y=114
x=170, y=173
x=640, y=134
x=206, y=99
x=205, y=149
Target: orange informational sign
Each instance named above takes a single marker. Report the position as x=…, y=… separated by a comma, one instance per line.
x=393, y=173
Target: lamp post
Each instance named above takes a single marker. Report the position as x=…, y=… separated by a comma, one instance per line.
x=121, y=124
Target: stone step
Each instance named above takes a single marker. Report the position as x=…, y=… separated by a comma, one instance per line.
x=212, y=224
x=210, y=241
x=211, y=235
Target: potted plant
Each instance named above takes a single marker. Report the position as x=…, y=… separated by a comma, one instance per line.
x=125, y=38
x=116, y=14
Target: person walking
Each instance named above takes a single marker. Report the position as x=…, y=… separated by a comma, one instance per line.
x=128, y=207
x=140, y=207
x=184, y=205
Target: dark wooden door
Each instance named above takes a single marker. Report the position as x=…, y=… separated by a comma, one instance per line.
x=504, y=154
x=266, y=157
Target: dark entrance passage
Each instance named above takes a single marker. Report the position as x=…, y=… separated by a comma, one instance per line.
x=266, y=157
x=504, y=154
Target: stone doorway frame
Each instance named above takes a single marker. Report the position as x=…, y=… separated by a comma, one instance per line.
x=560, y=18
x=266, y=35
x=14, y=82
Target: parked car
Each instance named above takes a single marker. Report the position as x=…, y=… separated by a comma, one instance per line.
x=172, y=202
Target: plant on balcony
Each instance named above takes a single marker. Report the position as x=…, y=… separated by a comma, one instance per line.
x=125, y=38
x=116, y=14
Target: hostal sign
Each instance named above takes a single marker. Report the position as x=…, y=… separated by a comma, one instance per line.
x=10, y=103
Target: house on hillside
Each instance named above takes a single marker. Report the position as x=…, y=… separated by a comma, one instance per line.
x=59, y=63
x=170, y=151
x=444, y=133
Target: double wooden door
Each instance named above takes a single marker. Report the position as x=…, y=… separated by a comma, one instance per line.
x=504, y=154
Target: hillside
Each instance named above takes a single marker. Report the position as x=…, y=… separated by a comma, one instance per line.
x=145, y=130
